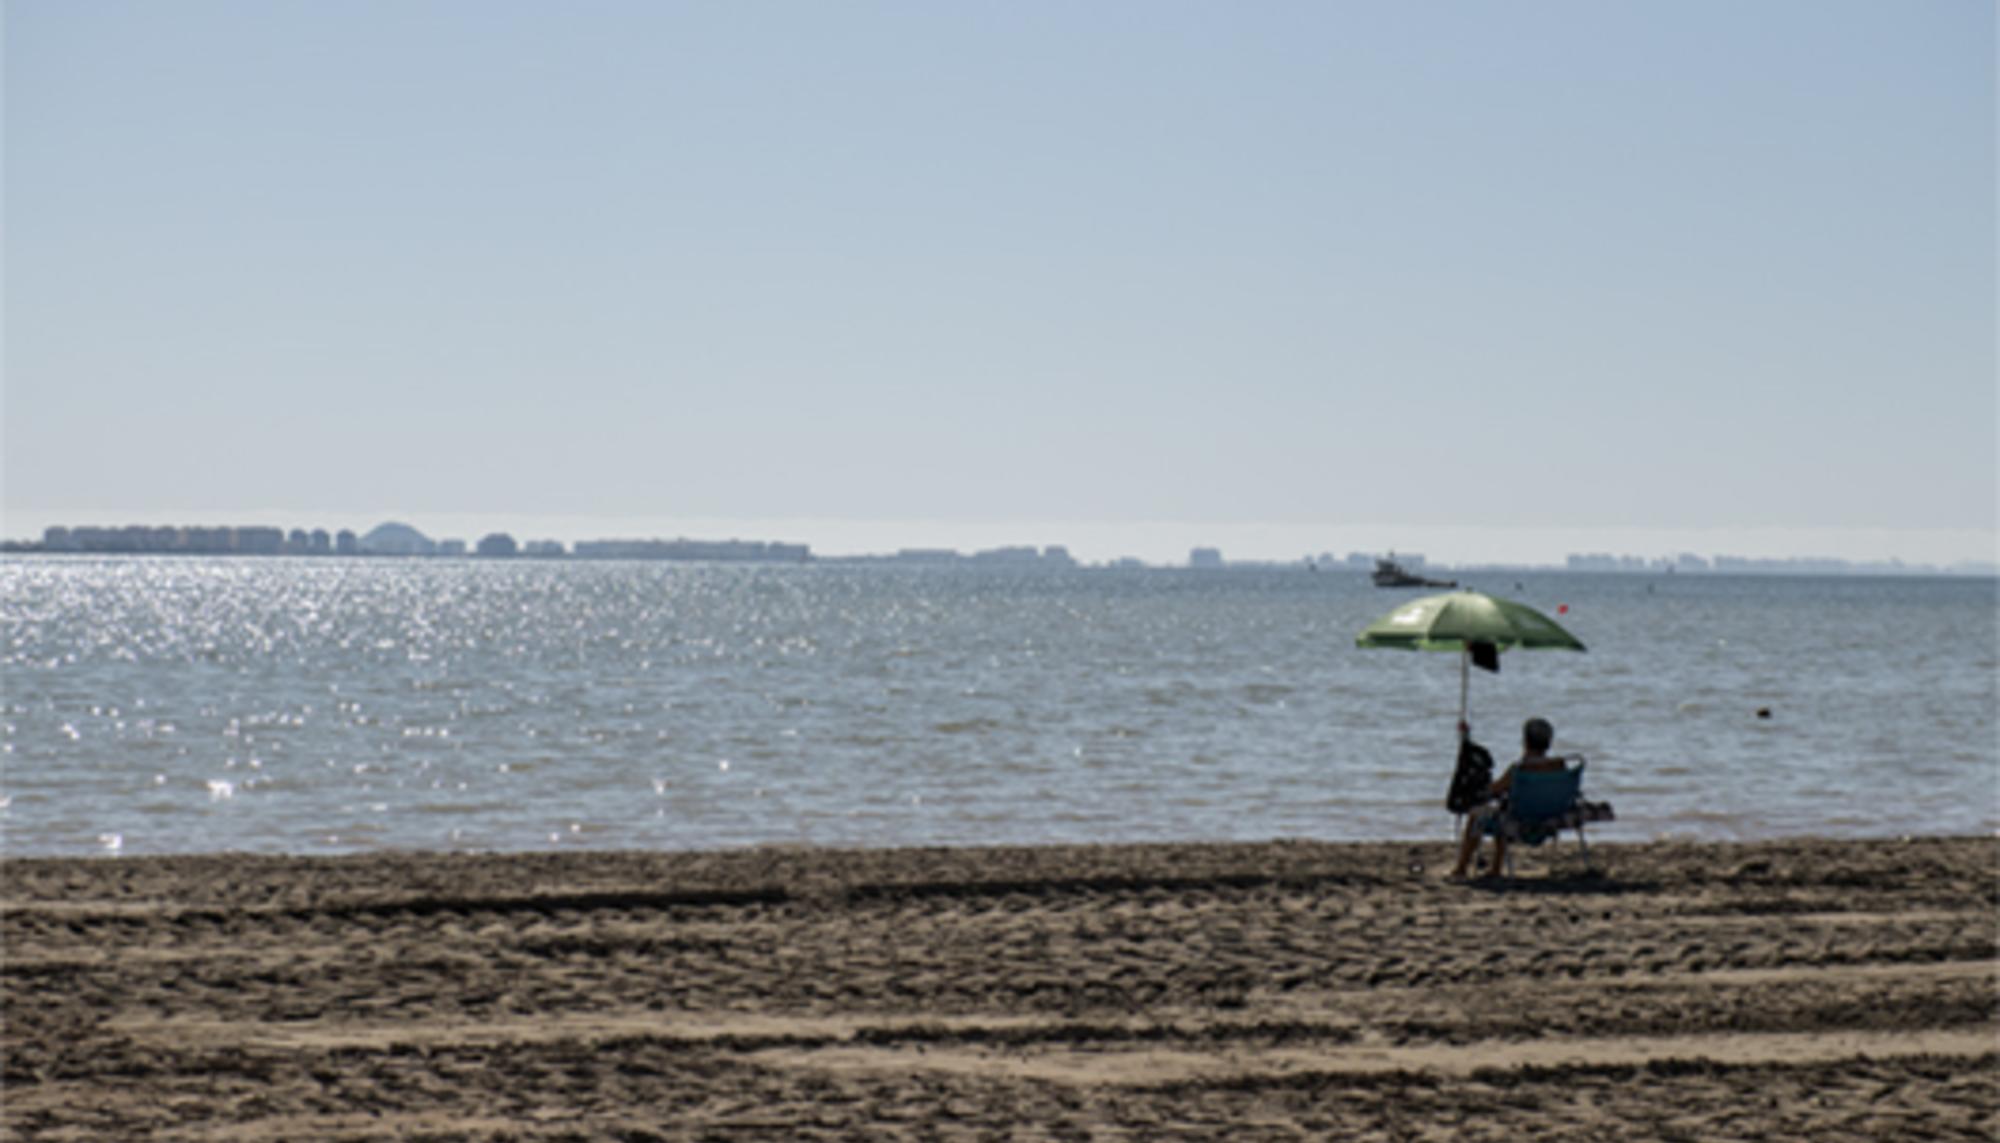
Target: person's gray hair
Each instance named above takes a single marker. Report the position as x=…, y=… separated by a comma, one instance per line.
x=1536, y=734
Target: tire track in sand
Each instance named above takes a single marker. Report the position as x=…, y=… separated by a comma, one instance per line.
x=1286, y=990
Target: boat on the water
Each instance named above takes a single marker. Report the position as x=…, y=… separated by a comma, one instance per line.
x=1389, y=573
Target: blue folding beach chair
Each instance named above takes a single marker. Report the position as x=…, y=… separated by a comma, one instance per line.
x=1541, y=804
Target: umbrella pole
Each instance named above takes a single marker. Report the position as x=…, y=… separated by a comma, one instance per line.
x=1464, y=691
x=1458, y=823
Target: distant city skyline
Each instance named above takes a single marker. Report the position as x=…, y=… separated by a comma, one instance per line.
x=1159, y=544
x=1496, y=282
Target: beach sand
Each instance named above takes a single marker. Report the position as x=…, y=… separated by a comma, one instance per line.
x=1787, y=989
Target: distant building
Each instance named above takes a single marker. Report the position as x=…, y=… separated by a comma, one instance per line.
x=208, y=541
x=394, y=539
x=260, y=541
x=926, y=556
x=346, y=543
x=1010, y=555
x=1208, y=558
x=319, y=543
x=498, y=545
x=1604, y=562
x=543, y=549
x=1054, y=556
x=451, y=547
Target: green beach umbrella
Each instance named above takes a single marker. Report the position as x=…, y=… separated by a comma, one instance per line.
x=1470, y=623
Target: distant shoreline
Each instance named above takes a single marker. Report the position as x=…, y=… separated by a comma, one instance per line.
x=271, y=535
x=1028, y=558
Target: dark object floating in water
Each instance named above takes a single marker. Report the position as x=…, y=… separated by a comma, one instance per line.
x=1389, y=573
x=1763, y=712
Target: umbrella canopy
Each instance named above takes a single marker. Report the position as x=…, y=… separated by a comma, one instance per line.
x=1471, y=623
x=1457, y=620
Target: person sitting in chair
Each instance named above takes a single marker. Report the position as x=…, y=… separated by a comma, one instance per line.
x=1536, y=735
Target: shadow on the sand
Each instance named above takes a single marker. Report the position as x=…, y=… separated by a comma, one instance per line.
x=1576, y=882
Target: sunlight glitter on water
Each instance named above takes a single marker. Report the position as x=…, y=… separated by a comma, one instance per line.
x=335, y=705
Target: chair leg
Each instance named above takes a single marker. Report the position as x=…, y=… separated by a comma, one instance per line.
x=1583, y=843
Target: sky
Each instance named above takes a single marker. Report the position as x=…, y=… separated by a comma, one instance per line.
x=1485, y=280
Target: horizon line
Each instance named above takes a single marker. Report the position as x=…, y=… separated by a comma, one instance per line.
x=1153, y=543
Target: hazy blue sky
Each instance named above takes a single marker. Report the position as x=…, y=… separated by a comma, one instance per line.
x=1477, y=276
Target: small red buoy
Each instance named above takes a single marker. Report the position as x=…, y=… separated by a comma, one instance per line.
x=1562, y=609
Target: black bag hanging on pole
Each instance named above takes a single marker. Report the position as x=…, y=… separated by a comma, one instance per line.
x=1472, y=779
x=1485, y=656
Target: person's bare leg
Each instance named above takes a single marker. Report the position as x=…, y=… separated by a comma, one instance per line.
x=1499, y=854
x=1467, y=846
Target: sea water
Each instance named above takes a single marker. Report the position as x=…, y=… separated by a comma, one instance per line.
x=336, y=705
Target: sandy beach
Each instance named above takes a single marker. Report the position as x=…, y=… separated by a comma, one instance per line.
x=1276, y=991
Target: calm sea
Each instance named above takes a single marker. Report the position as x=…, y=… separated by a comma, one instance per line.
x=317, y=706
